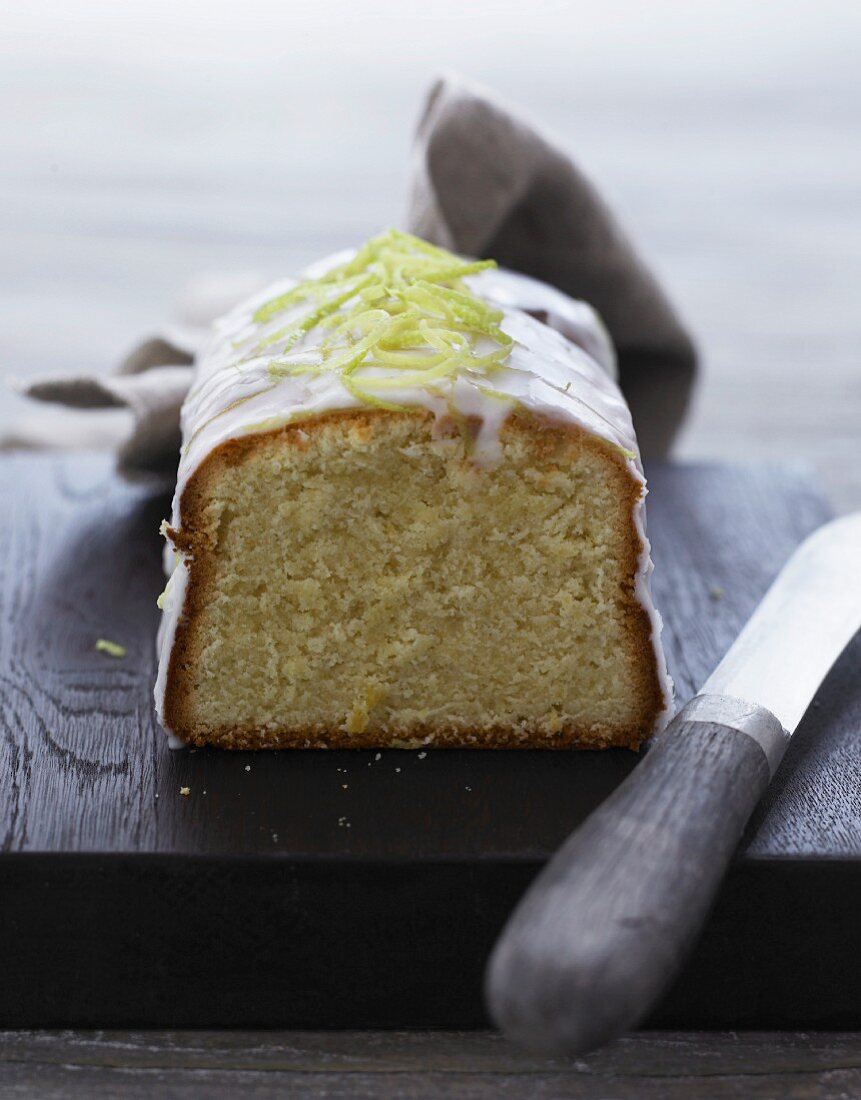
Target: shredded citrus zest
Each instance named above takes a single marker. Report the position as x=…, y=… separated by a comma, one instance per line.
x=396, y=315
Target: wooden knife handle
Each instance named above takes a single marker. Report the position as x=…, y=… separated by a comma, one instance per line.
x=607, y=923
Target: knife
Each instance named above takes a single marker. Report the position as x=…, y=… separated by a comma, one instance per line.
x=608, y=922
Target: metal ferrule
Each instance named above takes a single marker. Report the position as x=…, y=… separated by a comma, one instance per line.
x=750, y=718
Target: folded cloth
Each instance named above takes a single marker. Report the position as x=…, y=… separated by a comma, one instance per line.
x=485, y=183
x=488, y=183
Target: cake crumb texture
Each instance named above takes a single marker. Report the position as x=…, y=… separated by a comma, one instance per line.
x=358, y=581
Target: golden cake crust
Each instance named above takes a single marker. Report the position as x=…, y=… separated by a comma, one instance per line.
x=195, y=541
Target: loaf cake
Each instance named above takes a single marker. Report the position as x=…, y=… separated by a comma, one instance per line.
x=409, y=511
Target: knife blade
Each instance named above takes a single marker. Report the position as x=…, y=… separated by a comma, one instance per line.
x=607, y=923
x=800, y=628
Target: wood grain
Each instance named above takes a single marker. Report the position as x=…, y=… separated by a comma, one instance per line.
x=78, y=740
x=424, y=1066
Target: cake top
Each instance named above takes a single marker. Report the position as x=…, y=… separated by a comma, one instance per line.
x=401, y=324
x=396, y=314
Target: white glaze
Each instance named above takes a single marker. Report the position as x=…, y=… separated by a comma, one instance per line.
x=565, y=373
x=172, y=603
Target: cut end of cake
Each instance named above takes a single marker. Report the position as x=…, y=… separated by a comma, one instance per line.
x=357, y=581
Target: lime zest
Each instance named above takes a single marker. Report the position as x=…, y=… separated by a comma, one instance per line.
x=397, y=315
x=497, y=395
x=623, y=451
x=113, y=649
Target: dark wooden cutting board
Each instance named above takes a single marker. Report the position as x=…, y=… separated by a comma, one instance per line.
x=341, y=889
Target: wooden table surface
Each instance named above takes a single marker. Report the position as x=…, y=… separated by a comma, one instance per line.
x=361, y=1065
x=146, y=143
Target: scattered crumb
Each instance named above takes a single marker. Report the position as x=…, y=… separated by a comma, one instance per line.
x=274, y=836
x=397, y=769
x=716, y=592
x=185, y=790
x=379, y=756
x=204, y=792
x=344, y=823
x=422, y=755
x=248, y=767
x=344, y=786
x=111, y=648
x=467, y=788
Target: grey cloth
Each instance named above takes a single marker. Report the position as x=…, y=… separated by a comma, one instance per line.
x=485, y=183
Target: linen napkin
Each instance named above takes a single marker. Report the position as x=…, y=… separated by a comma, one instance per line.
x=486, y=182
x=483, y=182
